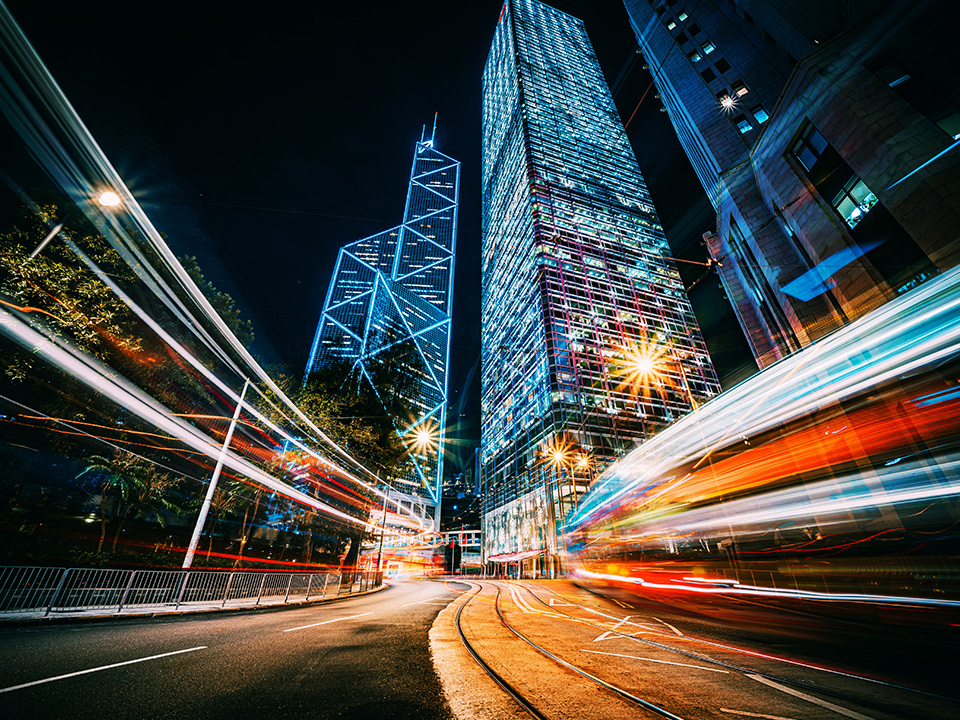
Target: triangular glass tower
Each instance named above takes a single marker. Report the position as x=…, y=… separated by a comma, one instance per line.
x=388, y=309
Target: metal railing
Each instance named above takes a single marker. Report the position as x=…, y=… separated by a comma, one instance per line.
x=47, y=590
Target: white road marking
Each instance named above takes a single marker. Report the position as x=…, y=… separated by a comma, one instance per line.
x=810, y=698
x=756, y=715
x=327, y=622
x=561, y=602
x=422, y=601
x=664, y=662
x=97, y=669
x=519, y=601
x=668, y=625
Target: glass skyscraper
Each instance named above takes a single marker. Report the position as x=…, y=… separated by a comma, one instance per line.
x=589, y=342
x=388, y=307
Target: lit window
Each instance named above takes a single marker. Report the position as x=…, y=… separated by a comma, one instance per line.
x=744, y=126
x=760, y=115
x=854, y=201
x=809, y=147
x=694, y=56
x=671, y=25
x=682, y=16
x=740, y=89
x=708, y=47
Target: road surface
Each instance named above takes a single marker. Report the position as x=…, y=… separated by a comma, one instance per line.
x=358, y=657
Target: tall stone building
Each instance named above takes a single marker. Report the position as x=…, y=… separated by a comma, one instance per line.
x=825, y=135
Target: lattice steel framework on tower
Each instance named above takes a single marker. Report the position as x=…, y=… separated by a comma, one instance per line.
x=577, y=284
x=388, y=310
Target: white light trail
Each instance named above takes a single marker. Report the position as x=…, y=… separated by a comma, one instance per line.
x=63, y=147
x=103, y=380
x=902, y=338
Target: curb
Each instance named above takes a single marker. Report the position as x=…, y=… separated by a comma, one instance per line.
x=95, y=616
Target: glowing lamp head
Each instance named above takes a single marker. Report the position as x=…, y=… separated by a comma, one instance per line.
x=109, y=199
x=727, y=102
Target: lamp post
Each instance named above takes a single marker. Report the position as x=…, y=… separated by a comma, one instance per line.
x=211, y=489
x=383, y=526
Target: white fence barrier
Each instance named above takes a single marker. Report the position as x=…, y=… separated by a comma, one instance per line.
x=47, y=590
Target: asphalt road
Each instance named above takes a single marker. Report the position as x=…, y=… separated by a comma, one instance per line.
x=362, y=657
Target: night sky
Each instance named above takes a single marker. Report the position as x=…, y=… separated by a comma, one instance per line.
x=263, y=137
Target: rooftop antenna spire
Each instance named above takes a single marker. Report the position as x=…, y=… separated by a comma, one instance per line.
x=434, y=133
x=423, y=129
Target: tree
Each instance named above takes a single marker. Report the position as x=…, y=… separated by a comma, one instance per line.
x=223, y=303
x=58, y=287
x=350, y=410
x=259, y=492
x=225, y=500
x=363, y=415
x=129, y=487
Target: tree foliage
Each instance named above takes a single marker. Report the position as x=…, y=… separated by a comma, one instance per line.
x=57, y=286
x=223, y=303
x=129, y=487
x=351, y=411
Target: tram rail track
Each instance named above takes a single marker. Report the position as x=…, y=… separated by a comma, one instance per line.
x=807, y=687
x=518, y=696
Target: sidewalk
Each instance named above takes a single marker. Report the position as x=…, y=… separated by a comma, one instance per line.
x=40, y=617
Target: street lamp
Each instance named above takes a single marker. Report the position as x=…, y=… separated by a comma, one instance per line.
x=107, y=198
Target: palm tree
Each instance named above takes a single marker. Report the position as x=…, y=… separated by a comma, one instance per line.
x=225, y=499
x=149, y=499
x=133, y=486
x=258, y=494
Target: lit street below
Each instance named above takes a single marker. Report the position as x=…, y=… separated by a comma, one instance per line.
x=365, y=656
x=559, y=650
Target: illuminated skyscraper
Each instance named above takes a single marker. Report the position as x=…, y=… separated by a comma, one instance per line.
x=387, y=312
x=589, y=341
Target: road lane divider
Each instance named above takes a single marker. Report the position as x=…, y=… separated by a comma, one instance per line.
x=753, y=714
x=98, y=669
x=809, y=698
x=327, y=622
x=663, y=662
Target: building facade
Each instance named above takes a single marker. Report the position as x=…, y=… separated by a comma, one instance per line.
x=589, y=341
x=824, y=134
x=387, y=316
